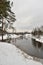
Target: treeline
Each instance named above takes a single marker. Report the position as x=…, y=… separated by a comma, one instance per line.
x=37, y=31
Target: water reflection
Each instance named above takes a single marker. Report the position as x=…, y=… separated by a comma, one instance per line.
x=36, y=44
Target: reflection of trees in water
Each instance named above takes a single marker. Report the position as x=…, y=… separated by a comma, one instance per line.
x=36, y=44
x=39, y=45
x=33, y=42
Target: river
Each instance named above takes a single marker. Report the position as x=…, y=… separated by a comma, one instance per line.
x=30, y=46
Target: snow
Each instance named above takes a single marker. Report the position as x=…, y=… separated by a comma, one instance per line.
x=39, y=39
x=26, y=36
x=11, y=55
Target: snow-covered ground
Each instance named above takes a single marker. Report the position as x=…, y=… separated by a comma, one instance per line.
x=11, y=55
x=38, y=39
x=41, y=37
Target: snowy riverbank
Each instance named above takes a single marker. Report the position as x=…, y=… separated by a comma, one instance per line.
x=38, y=39
x=11, y=55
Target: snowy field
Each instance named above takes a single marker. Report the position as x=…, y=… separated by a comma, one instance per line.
x=11, y=55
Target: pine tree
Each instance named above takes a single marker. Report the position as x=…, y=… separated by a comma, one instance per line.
x=6, y=16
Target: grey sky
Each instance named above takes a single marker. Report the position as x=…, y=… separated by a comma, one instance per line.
x=29, y=13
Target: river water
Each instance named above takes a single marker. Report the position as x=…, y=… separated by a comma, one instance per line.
x=30, y=46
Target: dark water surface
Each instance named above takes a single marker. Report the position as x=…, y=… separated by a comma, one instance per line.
x=30, y=46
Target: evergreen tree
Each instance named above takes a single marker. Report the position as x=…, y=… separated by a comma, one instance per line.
x=6, y=15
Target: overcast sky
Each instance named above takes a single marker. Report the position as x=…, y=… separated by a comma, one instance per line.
x=29, y=13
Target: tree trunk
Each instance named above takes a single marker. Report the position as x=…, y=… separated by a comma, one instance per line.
x=2, y=29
